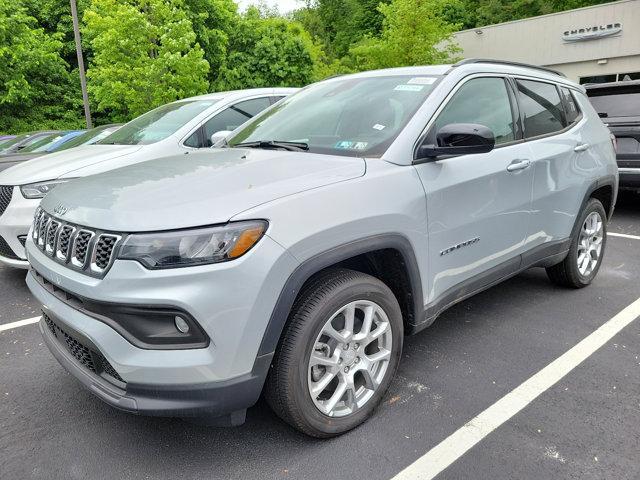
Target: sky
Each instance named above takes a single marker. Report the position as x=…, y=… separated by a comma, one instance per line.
x=284, y=6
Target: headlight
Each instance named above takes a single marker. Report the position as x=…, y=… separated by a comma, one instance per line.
x=183, y=248
x=40, y=189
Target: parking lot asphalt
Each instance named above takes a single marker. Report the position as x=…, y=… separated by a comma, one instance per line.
x=587, y=426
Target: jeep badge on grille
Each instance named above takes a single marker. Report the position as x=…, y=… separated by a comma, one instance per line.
x=60, y=210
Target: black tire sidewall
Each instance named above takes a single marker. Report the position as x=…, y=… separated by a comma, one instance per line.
x=367, y=288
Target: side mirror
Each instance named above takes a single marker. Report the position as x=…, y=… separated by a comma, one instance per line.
x=458, y=139
x=219, y=137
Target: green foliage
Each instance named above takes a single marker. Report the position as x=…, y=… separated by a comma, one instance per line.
x=267, y=52
x=144, y=55
x=408, y=23
x=338, y=24
x=212, y=20
x=36, y=89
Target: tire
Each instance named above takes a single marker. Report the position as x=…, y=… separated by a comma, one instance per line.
x=293, y=373
x=568, y=273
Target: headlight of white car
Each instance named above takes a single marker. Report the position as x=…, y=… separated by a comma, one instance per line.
x=40, y=189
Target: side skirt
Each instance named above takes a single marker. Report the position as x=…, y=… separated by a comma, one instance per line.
x=542, y=256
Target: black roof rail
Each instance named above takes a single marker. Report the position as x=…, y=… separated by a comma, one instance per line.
x=467, y=61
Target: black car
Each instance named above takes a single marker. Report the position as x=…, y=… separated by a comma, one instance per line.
x=618, y=104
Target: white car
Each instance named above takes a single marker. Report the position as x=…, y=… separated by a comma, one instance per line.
x=179, y=127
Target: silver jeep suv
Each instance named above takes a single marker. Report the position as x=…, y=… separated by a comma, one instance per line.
x=292, y=261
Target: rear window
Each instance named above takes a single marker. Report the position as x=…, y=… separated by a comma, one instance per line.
x=541, y=108
x=616, y=105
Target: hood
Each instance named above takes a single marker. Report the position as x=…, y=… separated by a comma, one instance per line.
x=66, y=163
x=198, y=189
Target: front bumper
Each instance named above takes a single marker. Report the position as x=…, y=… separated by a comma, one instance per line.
x=199, y=400
x=231, y=301
x=15, y=223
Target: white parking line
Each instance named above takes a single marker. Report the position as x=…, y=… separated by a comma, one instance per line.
x=623, y=235
x=463, y=439
x=19, y=323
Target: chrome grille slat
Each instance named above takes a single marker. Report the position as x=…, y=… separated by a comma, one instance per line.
x=50, y=240
x=84, y=249
x=81, y=245
x=64, y=242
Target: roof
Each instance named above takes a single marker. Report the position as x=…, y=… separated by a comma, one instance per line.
x=217, y=96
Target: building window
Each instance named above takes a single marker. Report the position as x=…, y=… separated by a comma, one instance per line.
x=614, y=77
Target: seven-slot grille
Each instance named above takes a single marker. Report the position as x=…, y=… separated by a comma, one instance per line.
x=84, y=249
x=5, y=197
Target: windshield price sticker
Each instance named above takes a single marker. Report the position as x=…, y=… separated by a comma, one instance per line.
x=421, y=81
x=409, y=88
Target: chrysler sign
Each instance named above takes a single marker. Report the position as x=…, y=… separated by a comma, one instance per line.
x=592, y=32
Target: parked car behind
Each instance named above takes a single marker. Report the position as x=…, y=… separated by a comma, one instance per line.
x=57, y=143
x=24, y=140
x=89, y=137
x=4, y=139
x=180, y=127
x=47, y=144
x=294, y=261
x=618, y=104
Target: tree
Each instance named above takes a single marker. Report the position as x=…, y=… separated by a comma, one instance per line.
x=268, y=52
x=144, y=55
x=338, y=24
x=212, y=21
x=406, y=25
x=36, y=90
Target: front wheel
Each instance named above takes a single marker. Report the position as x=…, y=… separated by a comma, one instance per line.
x=585, y=255
x=338, y=354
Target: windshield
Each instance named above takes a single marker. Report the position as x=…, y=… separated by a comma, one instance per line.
x=620, y=105
x=9, y=144
x=42, y=143
x=157, y=124
x=350, y=116
x=89, y=137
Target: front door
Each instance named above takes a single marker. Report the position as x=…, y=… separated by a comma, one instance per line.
x=478, y=206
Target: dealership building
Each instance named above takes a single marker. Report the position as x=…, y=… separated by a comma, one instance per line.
x=590, y=45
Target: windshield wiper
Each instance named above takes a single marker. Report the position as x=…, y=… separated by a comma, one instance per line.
x=275, y=144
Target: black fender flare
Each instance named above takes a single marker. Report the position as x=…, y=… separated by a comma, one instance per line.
x=608, y=181
x=319, y=262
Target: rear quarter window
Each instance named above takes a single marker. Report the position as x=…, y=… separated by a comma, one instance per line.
x=541, y=108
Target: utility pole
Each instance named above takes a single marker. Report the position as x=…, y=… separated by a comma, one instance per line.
x=83, y=80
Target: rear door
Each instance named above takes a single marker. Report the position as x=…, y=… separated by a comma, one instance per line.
x=478, y=205
x=557, y=135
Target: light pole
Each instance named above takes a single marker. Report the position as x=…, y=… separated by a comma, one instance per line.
x=83, y=80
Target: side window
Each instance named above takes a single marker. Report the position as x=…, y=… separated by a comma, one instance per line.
x=277, y=98
x=572, y=111
x=194, y=140
x=540, y=107
x=484, y=101
x=234, y=116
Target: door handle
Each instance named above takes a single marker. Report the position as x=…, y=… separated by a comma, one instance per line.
x=582, y=147
x=518, y=165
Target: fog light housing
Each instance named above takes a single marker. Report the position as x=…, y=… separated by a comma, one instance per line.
x=181, y=325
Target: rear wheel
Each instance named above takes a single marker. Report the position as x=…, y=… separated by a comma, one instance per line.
x=582, y=263
x=338, y=354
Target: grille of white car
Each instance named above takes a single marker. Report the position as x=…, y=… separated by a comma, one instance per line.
x=5, y=197
x=83, y=249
